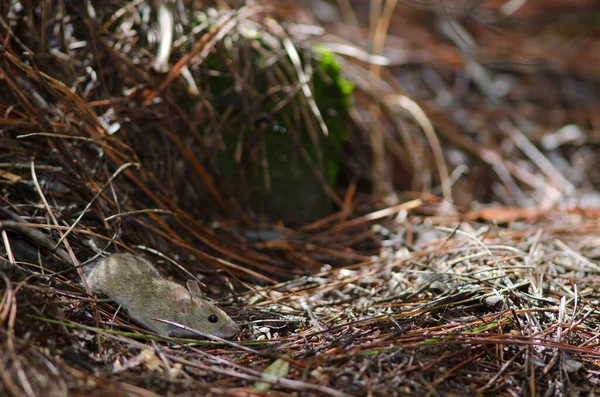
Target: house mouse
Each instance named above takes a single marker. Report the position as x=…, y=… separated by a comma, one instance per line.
x=135, y=284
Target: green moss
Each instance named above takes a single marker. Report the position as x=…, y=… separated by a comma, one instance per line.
x=333, y=99
x=295, y=192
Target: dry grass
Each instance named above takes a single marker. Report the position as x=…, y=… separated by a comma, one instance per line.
x=101, y=153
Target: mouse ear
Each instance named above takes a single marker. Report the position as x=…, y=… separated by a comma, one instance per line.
x=182, y=299
x=194, y=288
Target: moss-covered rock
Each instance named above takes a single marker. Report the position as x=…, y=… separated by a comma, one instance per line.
x=287, y=163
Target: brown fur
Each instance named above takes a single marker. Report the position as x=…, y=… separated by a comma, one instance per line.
x=136, y=285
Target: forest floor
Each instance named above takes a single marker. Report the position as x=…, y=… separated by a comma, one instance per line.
x=461, y=255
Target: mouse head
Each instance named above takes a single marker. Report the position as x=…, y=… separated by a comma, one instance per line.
x=200, y=313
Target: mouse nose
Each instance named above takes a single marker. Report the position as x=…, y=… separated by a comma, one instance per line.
x=228, y=330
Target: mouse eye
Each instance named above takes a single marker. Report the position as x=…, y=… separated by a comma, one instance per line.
x=213, y=318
